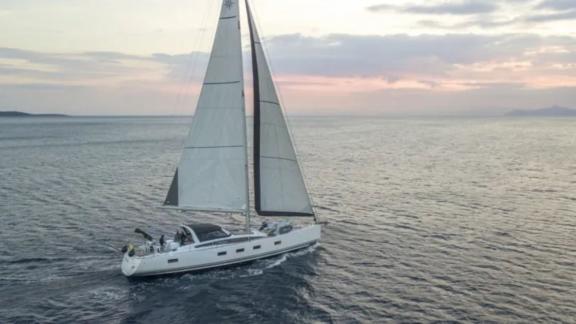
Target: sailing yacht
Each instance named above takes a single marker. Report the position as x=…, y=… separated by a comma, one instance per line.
x=213, y=173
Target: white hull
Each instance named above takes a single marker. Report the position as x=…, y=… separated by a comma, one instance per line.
x=197, y=257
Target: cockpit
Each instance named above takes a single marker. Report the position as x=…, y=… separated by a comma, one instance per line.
x=207, y=232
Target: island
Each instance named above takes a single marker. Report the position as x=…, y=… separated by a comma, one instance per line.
x=555, y=111
x=23, y=114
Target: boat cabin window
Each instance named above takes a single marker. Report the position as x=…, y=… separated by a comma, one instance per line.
x=208, y=232
x=285, y=229
x=188, y=238
x=230, y=241
x=213, y=235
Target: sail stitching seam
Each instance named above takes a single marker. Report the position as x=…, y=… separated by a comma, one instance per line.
x=216, y=83
x=277, y=158
x=270, y=102
x=211, y=147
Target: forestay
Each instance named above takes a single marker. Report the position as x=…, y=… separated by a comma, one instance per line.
x=212, y=174
x=279, y=185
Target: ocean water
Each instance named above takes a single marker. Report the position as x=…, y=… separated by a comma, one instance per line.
x=467, y=220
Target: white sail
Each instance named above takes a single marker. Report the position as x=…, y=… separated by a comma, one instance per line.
x=279, y=186
x=212, y=174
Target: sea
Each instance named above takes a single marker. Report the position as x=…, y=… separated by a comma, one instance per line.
x=427, y=220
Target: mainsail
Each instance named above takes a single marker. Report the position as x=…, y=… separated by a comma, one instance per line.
x=212, y=174
x=278, y=183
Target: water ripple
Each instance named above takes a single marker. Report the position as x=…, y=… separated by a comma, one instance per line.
x=456, y=220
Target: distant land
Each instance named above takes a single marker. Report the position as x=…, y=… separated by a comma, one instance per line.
x=23, y=114
x=555, y=111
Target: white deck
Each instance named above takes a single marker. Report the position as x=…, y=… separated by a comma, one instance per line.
x=199, y=256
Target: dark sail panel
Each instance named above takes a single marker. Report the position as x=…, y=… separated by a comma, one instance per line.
x=278, y=182
x=256, y=132
x=172, y=198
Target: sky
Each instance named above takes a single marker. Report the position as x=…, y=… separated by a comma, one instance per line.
x=329, y=57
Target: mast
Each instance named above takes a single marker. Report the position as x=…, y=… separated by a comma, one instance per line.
x=279, y=186
x=245, y=132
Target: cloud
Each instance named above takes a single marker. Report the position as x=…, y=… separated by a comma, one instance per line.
x=353, y=55
x=111, y=57
x=337, y=70
x=482, y=22
x=66, y=66
x=336, y=55
x=558, y=5
x=489, y=22
x=550, y=17
x=99, y=66
x=467, y=7
x=487, y=15
x=388, y=57
x=99, y=82
x=183, y=67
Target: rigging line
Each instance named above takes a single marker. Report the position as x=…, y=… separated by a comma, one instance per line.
x=282, y=108
x=188, y=67
x=192, y=66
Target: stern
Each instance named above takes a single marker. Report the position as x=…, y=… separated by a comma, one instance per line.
x=130, y=265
